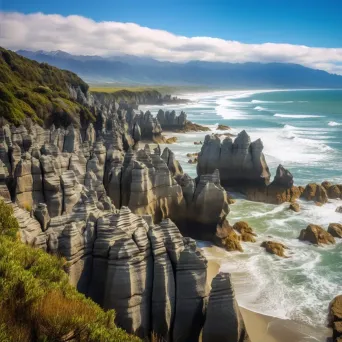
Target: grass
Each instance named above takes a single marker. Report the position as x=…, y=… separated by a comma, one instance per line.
x=37, y=303
x=134, y=89
x=38, y=91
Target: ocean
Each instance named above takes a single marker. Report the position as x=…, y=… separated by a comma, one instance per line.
x=302, y=130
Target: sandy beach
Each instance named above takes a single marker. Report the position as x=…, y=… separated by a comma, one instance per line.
x=263, y=328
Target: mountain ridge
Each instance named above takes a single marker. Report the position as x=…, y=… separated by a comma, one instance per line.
x=142, y=70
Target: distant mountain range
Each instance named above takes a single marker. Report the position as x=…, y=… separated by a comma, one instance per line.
x=140, y=70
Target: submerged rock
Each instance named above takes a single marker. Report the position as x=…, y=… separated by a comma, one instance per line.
x=294, y=206
x=276, y=248
x=316, y=235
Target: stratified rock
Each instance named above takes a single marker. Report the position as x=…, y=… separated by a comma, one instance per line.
x=170, y=159
x=71, y=190
x=335, y=229
x=223, y=320
x=245, y=231
x=279, y=191
x=276, y=248
x=240, y=163
x=316, y=235
x=170, y=121
x=42, y=215
x=190, y=267
x=315, y=192
x=164, y=290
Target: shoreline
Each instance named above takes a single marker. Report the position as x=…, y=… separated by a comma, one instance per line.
x=265, y=328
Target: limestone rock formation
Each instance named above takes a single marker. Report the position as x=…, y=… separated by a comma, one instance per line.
x=169, y=157
x=316, y=235
x=279, y=191
x=170, y=121
x=335, y=229
x=276, y=248
x=240, y=163
x=224, y=321
x=227, y=238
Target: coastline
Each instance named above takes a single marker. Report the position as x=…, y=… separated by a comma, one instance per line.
x=264, y=328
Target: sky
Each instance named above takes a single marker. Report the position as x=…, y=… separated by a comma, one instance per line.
x=301, y=31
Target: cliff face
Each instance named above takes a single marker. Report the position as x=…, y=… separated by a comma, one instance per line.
x=112, y=211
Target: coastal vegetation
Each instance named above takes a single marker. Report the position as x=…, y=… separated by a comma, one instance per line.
x=37, y=303
x=38, y=91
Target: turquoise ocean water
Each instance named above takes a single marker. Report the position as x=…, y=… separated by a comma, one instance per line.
x=301, y=129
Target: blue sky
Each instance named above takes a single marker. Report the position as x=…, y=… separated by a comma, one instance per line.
x=311, y=23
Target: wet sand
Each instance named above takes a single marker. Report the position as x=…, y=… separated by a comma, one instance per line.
x=263, y=328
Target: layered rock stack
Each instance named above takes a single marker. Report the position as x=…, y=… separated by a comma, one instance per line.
x=240, y=162
x=170, y=121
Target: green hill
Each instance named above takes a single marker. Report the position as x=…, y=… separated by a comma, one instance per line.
x=38, y=91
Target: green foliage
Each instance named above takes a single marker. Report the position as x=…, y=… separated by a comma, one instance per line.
x=37, y=303
x=32, y=89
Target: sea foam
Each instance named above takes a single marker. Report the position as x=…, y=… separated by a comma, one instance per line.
x=298, y=116
x=333, y=123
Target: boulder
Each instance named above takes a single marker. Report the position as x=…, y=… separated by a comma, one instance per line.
x=294, y=206
x=339, y=209
x=245, y=231
x=221, y=127
x=224, y=321
x=276, y=248
x=335, y=317
x=335, y=229
x=227, y=238
x=315, y=192
x=316, y=235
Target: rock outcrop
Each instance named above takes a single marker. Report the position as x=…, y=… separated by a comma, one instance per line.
x=294, y=206
x=169, y=121
x=224, y=321
x=335, y=229
x=246, y=232
x=279, y=191
x=276, y=248
x=334, y=191
x=316, y=235
x=335, y=317
x=240, y=163
x=315, y=192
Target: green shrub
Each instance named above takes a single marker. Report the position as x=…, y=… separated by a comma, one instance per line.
x=37, y=303
x=31, y=89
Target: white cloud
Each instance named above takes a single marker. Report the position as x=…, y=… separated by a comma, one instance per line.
x=83, y=36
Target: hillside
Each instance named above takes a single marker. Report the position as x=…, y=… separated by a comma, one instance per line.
x=36, y=301
x=44, y=93
x=138, y=70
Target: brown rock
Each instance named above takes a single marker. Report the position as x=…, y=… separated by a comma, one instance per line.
x=198, y=143
x=295, y=207
x=226, y=237
x=193, y=127
x=335, y=310
x=315, y=192
x=223, y=128
x=334, y=192
x=276, y=248
x=171, y=140
x=190, y=155
x=316, y=235
x=326, y=185
x=335, y=229
x=245, y=231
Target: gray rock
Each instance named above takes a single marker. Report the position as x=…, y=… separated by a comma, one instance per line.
x=223, y=320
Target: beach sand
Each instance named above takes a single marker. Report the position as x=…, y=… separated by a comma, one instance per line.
x=263, y=328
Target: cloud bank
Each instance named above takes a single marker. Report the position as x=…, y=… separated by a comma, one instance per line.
x=83, y=36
